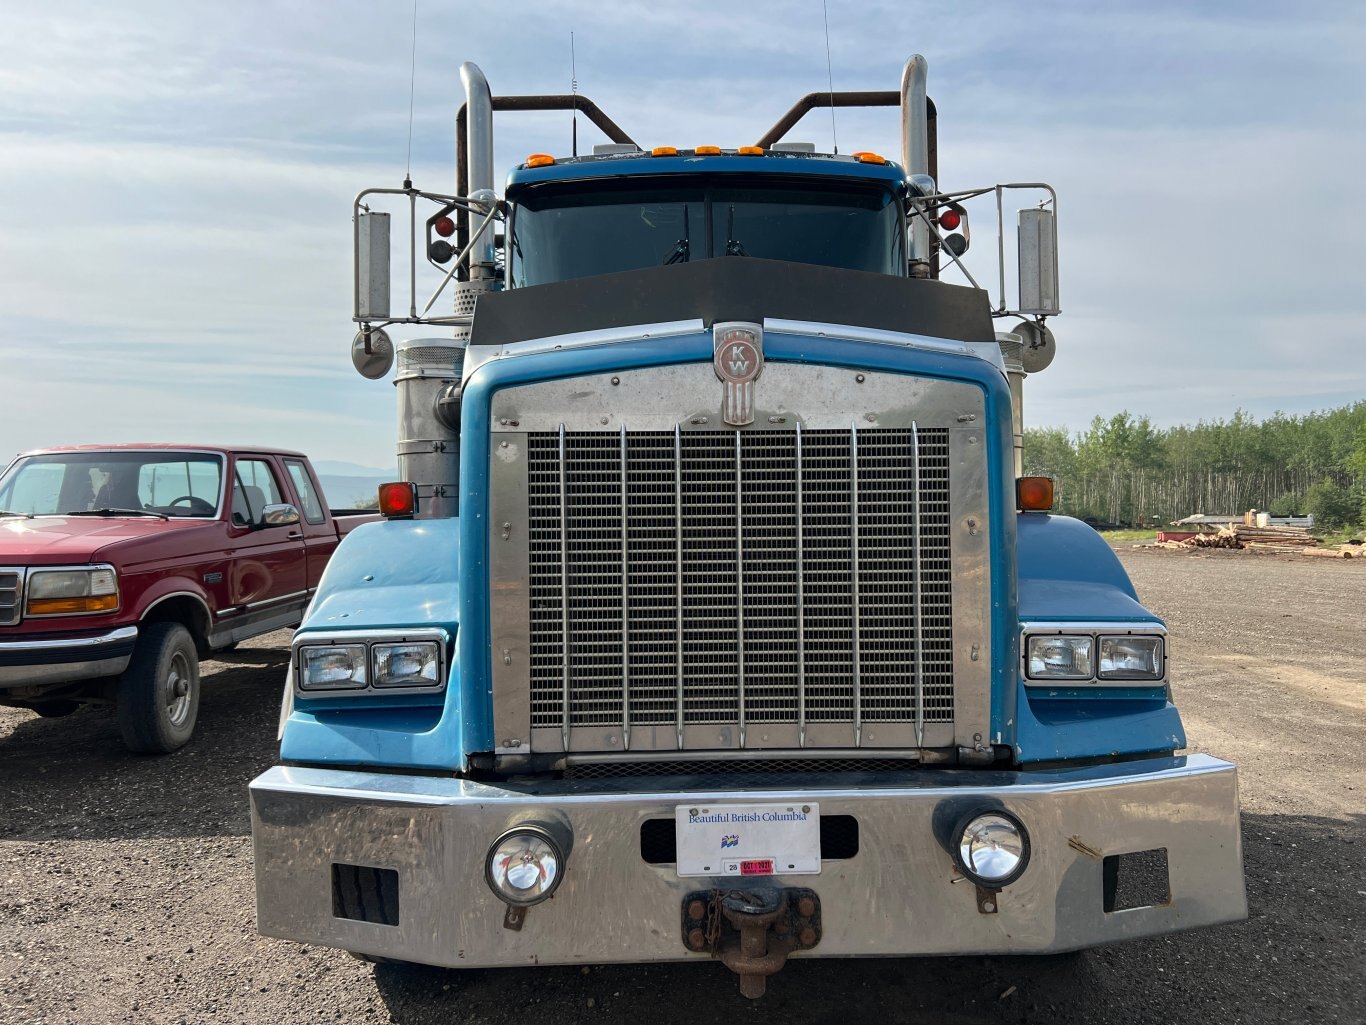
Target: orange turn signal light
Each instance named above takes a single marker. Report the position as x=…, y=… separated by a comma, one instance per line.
x=664, y=151
x=750, y=151
x=708, y=151
x=398, y=499
x=1034, y=494
x=539, y=160
x=66, y=606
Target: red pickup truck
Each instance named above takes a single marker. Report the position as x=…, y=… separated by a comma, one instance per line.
x=122, y=566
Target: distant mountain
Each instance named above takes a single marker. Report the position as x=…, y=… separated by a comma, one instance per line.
x=340, y=468
x=343, y=491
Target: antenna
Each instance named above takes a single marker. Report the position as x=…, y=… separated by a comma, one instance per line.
x=573, y=91
x=830, y=76
x=412, y=85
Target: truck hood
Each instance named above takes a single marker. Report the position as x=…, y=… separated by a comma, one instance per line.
x=62, y=539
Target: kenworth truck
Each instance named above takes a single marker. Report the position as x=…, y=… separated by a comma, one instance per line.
x=713, y=618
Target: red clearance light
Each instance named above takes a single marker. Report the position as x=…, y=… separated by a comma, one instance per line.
x=398, y=499
x=1034, y=494
x=949, y=219
x=445, y=227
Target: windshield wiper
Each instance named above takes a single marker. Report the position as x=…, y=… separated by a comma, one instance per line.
x=116, y=512
x=733, y=245
x=682, y=250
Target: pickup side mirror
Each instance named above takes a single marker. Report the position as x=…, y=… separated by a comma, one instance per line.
x=282, y=515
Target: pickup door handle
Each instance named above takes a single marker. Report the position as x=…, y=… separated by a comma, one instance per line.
x=295, y=536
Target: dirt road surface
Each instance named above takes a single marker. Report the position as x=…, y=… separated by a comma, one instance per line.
x=127, y=887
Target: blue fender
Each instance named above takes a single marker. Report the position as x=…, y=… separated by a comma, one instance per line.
x=1068, y=573
x=395, y=574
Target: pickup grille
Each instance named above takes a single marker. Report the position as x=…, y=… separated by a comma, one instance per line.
x=11, y=596
x=739, y=578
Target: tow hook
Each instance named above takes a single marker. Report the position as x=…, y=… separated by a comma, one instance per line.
x=752, y=931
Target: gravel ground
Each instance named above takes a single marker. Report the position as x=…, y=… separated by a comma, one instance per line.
x=127, y=891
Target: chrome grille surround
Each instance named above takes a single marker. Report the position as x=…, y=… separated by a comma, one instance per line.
x=11, y=595
x=651, y=573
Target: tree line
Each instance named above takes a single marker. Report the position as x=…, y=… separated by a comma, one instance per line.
x=1124, y=470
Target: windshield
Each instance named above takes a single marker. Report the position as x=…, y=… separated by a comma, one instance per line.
x=575, y=230
x=135, y=483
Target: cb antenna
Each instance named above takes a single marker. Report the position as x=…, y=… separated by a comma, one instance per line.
x=574, y=104
x=412, y=86
x=830, y=76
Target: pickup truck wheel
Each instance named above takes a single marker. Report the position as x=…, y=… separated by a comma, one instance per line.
x=158, y=697
x=55, y=709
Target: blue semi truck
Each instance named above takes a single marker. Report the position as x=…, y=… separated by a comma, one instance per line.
x=713, y=617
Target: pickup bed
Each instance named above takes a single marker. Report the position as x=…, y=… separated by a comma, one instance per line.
x=122, y=566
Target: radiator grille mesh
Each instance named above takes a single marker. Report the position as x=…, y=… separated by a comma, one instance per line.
x=762, y=576
x=11, y=597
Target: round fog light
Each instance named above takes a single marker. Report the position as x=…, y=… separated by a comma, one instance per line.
x=991, y=848
x=524, y=866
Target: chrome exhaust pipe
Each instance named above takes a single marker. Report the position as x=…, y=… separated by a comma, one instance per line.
x=915, y=154
x=479, y=157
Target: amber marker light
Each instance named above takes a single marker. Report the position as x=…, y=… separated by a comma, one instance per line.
x=1034, y=494
x=708, y=151
x=67, y=606
x=863, y=156
x=539, y=160
x=664, y=151
x=750, y=151
x=398, y=499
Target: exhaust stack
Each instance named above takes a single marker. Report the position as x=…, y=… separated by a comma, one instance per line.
x=915, y=154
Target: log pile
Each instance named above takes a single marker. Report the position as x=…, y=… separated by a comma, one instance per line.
x=1238, y=536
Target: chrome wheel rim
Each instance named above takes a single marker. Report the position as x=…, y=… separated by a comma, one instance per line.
x=178, y=686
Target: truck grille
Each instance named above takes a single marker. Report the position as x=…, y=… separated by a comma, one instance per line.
x=739, y=578
x=11, y=596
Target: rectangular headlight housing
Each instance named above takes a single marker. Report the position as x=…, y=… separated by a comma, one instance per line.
x=72, y=591
x=1061, y=657
x=332, y=667
x=1130, y=657
x=414, y=664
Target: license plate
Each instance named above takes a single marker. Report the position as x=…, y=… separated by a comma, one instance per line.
x=748, y=839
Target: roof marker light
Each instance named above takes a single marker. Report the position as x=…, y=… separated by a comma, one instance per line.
x=708, y=151
x=539, y=160
x=664, y=151
x=750, y=151
x=398, y=499
x=863, y=156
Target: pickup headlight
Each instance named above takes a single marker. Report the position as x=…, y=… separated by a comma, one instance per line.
x=69, y=592
x=393, y=661
x=332, y=667
x=1095, y=654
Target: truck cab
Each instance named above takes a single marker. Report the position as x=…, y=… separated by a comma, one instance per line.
x=713, y=618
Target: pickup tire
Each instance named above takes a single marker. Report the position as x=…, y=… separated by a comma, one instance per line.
x=158, y=694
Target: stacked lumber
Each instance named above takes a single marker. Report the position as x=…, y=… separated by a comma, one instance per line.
x=1238, y=536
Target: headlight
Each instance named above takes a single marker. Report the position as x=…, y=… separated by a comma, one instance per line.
x=332, y=667
x=406, y=665
x=991, y=848
x=66, y=592
x=524, y=866
x=1060, y=658
x=1131, y=657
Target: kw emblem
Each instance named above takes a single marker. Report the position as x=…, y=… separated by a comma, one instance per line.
x=739, y=359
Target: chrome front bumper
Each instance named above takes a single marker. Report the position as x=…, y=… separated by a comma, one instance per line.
x=900, y=894
x=35, y=661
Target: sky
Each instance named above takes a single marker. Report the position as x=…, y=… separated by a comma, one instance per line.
x=177, y=177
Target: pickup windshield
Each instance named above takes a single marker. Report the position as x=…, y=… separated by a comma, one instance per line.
x=570, y=230
x=119, y=483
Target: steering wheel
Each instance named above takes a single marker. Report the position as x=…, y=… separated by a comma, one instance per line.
x=197, y=506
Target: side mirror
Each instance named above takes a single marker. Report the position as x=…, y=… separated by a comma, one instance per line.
x=1038, y=239
x=372, y=265
x=282, y=515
